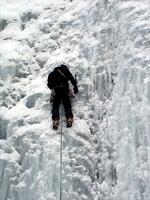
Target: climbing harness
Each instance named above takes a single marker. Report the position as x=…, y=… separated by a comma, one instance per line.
x=61, y=146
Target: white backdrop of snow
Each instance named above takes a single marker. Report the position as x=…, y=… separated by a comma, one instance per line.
x=106, y=154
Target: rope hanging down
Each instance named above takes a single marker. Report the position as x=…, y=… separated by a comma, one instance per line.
x=61, y=143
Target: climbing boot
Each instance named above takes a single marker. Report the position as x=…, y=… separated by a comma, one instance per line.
x=69, y=122
x=55, y=124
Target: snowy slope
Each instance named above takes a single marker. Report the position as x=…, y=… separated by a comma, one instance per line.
x=106, y=154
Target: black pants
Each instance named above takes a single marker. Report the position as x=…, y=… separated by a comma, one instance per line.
x=62, y=95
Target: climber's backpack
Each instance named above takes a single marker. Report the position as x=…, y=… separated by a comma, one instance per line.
x=52, y=78
x=51, y=85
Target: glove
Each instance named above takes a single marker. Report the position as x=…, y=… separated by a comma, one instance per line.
x=75, y=89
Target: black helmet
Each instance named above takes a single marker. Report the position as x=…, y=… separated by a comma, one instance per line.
x=64, y=66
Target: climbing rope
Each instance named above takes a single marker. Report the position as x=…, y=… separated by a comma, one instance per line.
x=61, y=144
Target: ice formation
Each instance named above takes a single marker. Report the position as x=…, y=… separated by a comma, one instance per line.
x=106, y=154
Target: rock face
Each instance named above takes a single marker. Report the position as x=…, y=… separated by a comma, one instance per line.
x=106, y=152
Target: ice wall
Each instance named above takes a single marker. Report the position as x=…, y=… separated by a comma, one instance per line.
x=130, y=105
x=106, y=152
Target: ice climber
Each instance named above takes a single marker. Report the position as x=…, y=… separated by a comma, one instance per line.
x=58, y=83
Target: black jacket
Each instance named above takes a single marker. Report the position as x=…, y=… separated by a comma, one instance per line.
x=60, y=77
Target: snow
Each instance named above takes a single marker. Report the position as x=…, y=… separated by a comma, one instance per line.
x=106, y=154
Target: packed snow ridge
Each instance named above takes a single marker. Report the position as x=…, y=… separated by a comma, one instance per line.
x=106, y=154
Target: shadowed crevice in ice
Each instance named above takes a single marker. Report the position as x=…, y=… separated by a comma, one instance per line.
x=3, y=24
x=31, y=100
x=27, y=16
x=3, y=128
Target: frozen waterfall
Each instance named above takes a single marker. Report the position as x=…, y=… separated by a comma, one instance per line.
x=106, y=154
